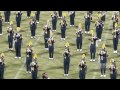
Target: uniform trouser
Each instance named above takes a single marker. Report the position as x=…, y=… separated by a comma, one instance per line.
x=115, y=43
x=62, y=33
x=51, y=51
x=18, y=50
x=99, y=33
x=10, y=41
x=103, y=18
x=34, y=74
x=0, y=29
x=28, y=68
x=60, y=13
x=79, y=43
x=82, y=74
x=1, y=71
x=87, y=25
x=66, y=66
x=46, y=44
x=28, y=13
x=37, y=17
x=103, y=68
x=33, y=32
x=92, y=54
x=18, y=23
x=72, y=19
x=28, y=61
x=54, y=23
x=7, y=18
x=113, y=76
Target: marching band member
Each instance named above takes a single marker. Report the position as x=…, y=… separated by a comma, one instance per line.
x=33, y=27
x=88, y=19
x=79, y=39
x=103, y=17
x=93, y=46
x=47, y=31
x=99, y=28
x=18, y=18
x=2, y=65
x=92, y=51
x=63, y=25
x=10, y=36
x=94, y=39
x=54, y=20
x=113, y=69
x=66, y=62
x=72, y=17
x=28, y=14
x=115, y=19
x=37, y=15
x=34, y=67
x=82, y=68
x=18, y=42
x=1, y=20
x=29, y=56
x=115, y=34
x=103, y=60
x=60, y=14
x=7, y=16
x=51, y=47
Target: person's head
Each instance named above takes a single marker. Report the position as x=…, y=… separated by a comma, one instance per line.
x=44, y=75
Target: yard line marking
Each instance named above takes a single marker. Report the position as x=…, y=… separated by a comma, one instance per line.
x=19, y=71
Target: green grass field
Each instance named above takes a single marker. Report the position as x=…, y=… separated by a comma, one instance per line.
x=15, y=68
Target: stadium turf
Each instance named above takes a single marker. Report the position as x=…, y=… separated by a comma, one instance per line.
x=15, y=68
